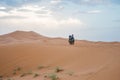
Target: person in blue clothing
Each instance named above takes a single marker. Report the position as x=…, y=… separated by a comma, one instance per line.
x=71, y=39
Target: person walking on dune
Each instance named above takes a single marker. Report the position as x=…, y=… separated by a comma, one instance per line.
x=71, y=39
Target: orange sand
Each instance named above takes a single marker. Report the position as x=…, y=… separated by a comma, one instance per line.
x=85, y=60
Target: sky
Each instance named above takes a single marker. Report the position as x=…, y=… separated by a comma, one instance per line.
x=94, y=20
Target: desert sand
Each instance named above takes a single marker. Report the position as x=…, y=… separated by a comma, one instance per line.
x=30, y=56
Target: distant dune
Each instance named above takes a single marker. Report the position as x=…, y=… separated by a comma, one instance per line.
x=22, y=53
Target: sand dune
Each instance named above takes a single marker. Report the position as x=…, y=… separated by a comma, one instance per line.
x=83, y=61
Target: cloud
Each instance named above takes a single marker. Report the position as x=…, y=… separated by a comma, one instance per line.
x=47, y=22
x=25, y=11
x=89, y=12
x=61, y=7
x=12, y=17
x=55, y=2
x=88, y=2
x=94, y=2
x=70, y=21
x=2, y=8
x=35, y=16
x=17, y=3
x=94, y=11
